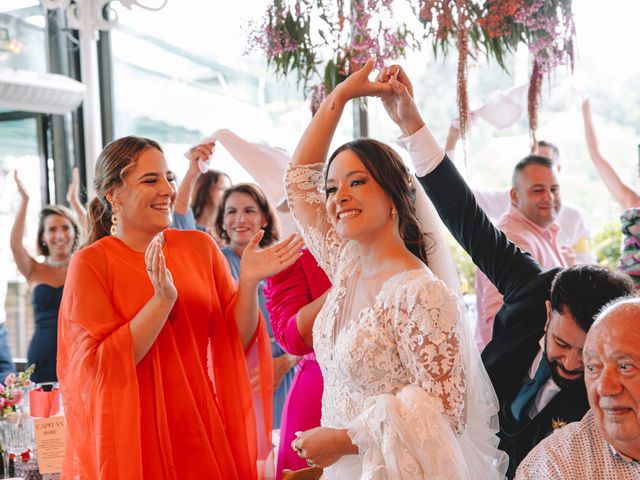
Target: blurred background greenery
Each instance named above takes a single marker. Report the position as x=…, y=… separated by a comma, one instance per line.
x=606, y=244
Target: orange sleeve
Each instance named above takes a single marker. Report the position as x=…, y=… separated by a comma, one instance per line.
x=97, y=375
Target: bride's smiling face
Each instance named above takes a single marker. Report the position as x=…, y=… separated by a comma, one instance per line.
x=357, y=205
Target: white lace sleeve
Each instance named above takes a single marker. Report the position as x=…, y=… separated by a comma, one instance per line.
x=427, y=317
x=406, y=436
x=305, y=194
x=415, y=433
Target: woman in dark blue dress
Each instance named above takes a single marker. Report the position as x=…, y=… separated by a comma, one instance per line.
x=57, y=238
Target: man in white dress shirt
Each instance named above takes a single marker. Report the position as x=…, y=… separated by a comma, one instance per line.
x=605, y=444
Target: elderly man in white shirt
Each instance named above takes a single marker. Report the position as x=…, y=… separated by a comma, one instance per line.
x=605, y=444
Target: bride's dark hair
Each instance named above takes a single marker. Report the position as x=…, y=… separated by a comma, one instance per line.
x=387, y=168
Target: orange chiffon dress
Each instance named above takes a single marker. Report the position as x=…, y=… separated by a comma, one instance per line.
x=186, y=410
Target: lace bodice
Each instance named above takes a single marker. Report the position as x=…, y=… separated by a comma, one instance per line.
x=409, y=334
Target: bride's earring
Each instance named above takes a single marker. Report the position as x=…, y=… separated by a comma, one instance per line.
x=394, y=212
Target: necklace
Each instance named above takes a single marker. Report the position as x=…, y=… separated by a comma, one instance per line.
x=57, y=263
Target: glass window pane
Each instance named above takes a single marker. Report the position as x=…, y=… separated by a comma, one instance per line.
x=181, y=73
x=22, y=35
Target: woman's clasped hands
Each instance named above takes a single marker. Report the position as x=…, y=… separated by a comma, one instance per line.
x=159, y=274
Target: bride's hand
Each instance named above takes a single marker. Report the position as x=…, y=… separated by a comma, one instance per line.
x=398, y=100
x=322, y=446
x=358, y=84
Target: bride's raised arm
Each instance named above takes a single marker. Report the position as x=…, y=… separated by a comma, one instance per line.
x=304, y=178
x=313, y=147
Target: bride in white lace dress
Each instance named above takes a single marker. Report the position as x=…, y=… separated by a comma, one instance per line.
x=396, y=357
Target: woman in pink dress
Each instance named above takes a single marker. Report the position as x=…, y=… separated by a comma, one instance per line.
x=294, y=297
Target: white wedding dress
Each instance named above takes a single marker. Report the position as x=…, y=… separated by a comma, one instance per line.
x=396, y=372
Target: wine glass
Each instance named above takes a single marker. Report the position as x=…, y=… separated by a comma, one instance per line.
x=18, y=440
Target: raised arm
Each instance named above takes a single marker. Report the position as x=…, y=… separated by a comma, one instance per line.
x=505, y=264
x=493, y=202
x=452, y=139
x=314, y=144
x=623, y=194
x=185, y=190
x=73, y=197
x=398, y=101
x=24, y=261
x=313, y=147
x=304, y=177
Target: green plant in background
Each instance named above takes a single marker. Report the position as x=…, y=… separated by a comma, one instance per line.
x=606, y=246
x=464, y=266
x=607, y=243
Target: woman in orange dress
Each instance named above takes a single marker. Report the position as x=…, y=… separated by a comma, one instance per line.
x=153, y=333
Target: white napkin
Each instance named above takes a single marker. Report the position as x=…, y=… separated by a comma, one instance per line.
x=503, y=108
x=264, y=163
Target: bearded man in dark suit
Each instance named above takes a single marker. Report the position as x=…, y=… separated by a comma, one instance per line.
x=534, y=359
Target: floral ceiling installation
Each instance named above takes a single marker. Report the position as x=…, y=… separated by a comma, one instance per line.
x=298, y=36
x=322, y=41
